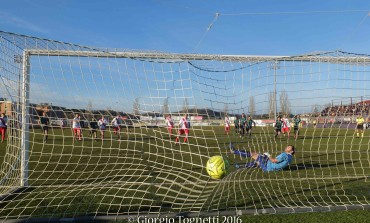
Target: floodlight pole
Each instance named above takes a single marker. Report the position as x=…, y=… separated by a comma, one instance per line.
x=25, y=118
x=275, y=66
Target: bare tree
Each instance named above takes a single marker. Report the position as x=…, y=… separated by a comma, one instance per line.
x=328, y=108
x=165, y=108
x=252, y=106
x=284, y=103
x=89, y=108
x=226, y=109
x=315, y=109
x=272, y=104
x=136, y=106
x=185, y=106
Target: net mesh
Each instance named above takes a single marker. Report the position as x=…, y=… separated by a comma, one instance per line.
x=139, y=168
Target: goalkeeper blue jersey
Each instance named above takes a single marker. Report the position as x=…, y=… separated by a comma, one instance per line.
x=284, y=160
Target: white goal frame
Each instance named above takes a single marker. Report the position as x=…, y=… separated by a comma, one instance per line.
x=172, y=57
x=169, y=57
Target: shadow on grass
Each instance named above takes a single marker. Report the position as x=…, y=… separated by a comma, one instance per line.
x=12, y=195
x=305, y=166
x=264, y=200
x=322, y=154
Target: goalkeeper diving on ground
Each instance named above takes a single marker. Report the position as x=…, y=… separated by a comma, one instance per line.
x=264, y=160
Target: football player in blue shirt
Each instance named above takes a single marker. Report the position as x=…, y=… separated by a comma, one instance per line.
x=265, y=161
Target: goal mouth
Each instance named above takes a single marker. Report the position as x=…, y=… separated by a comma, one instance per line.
x=95, y=134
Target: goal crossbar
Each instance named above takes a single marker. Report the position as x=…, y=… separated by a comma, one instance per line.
x=316, y=57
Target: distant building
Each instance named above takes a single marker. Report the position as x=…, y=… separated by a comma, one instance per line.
x=6, y=106
x=366, y=102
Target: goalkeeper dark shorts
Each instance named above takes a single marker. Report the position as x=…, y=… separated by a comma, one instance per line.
x=262, y=160
x=45, y=128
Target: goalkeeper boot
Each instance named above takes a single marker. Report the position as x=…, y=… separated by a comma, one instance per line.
x=250, y=164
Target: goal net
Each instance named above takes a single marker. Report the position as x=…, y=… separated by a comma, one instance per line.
x=87, y=134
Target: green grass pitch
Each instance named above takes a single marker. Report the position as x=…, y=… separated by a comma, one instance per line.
x=145, y=172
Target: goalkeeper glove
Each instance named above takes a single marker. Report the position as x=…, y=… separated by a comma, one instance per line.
x=267, y=154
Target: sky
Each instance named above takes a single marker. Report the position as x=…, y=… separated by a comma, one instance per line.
x=253, y=27
x=256, y=27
